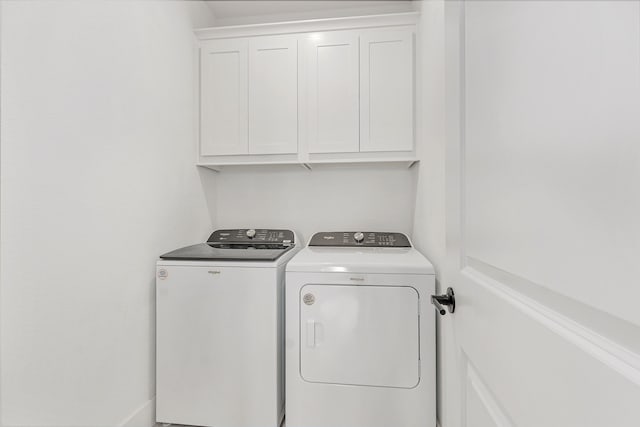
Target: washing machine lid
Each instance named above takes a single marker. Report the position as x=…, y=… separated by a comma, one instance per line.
x=238, y=245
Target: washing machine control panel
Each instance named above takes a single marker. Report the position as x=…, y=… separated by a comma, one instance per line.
x=252, y=235
x=375, y=239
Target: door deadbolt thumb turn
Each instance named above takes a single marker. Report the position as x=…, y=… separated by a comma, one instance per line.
x=447, y=299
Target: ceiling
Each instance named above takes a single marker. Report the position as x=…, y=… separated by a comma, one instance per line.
x=236, y=12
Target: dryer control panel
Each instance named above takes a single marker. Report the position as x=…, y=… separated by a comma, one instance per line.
x=376, y=239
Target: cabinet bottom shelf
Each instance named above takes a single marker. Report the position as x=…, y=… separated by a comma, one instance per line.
x=309, y=165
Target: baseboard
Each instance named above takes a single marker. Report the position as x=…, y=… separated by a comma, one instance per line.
x=144, y=416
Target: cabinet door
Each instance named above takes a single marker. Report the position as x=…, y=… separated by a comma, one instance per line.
x=273, y=95
x=332, y=93
x=223, y=91
x=386, y=90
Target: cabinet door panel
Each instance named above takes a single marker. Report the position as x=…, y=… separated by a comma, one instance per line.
x=273, y=95
x=332, y=93
x=223, y=116
x=386, y=90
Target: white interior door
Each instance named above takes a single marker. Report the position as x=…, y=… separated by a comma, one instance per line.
x=273, y=95
x=543, y=236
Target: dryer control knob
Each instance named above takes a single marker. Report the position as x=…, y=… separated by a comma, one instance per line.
x=251, y=233
x=359, y=237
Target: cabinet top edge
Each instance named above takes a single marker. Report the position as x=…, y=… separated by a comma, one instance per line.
x=307, y=26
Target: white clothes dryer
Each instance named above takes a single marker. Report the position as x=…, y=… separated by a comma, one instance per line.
x=360, y=333
x=220, y=330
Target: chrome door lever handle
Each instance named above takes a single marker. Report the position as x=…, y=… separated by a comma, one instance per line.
x=447, y=299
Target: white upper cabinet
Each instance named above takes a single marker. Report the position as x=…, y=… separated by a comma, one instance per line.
x=332, y=79
x=386, y=90
x=323, y=91
x=223, y=91
x=273, y=95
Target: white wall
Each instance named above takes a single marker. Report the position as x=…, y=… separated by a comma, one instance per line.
x=429, y=225
x=97, y=179
x=373, y=197
x=429, y=221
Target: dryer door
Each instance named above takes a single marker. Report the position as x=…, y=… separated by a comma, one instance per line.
x=360, y=335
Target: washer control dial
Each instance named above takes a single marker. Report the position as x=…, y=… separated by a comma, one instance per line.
x=358, y=237
x=251, y=233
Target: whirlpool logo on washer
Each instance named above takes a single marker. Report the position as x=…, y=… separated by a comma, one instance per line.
x=163, y=274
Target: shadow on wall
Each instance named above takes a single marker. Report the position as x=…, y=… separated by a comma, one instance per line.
x=329, y=197
x=209, y=183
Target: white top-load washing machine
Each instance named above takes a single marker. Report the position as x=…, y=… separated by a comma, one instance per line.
x=360, y=333
x=220, y=330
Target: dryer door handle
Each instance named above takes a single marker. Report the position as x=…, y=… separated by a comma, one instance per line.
x=311, y=333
